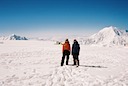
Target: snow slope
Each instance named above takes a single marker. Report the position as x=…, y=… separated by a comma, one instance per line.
x=108, y=36
x=13, y=37
x=37, y=63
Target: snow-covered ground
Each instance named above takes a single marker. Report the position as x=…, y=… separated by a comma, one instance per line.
x=37, y=63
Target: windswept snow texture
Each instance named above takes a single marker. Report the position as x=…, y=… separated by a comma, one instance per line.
x=109, y=36
x=37, y=63
x=13, y=37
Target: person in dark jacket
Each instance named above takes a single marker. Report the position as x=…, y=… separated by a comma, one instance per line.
x=75, y=52
x=66, y=52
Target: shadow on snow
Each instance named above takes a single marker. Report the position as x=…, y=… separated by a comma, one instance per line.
x=92, y=66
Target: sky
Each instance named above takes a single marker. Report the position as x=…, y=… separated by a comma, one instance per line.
x=35, y=18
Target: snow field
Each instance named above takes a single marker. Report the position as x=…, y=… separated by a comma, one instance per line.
x=37, y=63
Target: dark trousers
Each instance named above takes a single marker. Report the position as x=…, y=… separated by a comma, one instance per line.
x=66, y=54
x=76, y=59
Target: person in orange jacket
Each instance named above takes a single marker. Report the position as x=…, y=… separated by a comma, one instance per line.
x=66, y=52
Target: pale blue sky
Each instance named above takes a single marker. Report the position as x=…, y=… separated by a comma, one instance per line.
x=57, y=17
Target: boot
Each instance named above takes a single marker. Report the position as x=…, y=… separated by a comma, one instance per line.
x=77, y=63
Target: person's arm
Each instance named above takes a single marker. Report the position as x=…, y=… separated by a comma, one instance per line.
x=72, y=48
x=61, y=43
x=78, y=49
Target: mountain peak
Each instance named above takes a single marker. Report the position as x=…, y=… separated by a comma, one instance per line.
x=111, y=30
x=13, y=37
x=108, y=36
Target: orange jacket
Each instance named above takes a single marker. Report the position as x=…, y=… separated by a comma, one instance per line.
x=66, y=46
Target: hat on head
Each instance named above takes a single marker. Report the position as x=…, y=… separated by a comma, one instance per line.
x=75, y=40
x=66, y=40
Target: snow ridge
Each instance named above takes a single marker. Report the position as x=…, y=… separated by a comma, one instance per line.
x=13, y=37
x=108, y=36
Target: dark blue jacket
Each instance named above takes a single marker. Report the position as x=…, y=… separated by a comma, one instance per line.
x=75, y=48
